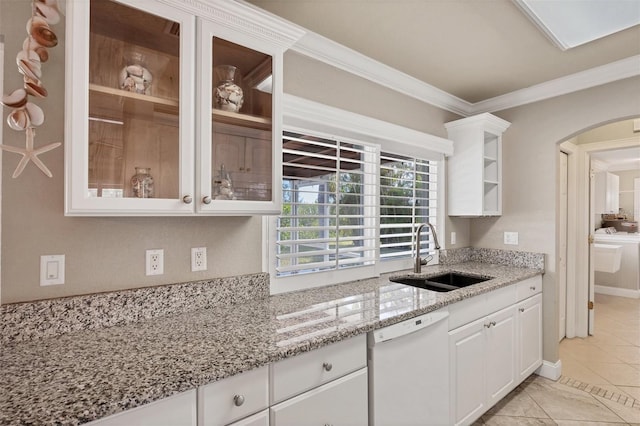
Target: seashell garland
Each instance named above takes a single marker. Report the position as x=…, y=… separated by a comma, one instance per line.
x=25, y=115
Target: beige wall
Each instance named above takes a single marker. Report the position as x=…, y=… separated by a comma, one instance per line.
x=104, y=254
x=609, y=132
x=108, y=253
x=529, y=176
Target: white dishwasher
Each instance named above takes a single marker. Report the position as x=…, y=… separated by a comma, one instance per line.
x=409, y=372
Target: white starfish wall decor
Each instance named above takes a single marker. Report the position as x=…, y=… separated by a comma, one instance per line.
x=26, y=116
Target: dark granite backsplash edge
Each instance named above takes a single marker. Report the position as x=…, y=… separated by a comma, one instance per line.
x=53, y=317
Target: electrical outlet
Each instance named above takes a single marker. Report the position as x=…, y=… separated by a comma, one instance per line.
x=155, y=262
x=198, y=259
x=511, y=238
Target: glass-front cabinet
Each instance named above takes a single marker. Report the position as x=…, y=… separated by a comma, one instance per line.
x=237, y=107
x=174, y=108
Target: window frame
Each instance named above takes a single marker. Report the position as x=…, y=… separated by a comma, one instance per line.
x=304, y=116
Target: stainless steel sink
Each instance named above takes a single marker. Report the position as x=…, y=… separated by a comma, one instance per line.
x=443, y=282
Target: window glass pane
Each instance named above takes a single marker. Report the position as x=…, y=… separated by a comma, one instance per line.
x=327, y=221
x=407, y=199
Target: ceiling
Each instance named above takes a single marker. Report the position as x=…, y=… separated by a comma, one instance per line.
x=619, y=159
x=475, y=50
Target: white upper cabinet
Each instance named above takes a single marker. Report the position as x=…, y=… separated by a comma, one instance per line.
x=607, y=193
x=474, y=178
x=174, y=108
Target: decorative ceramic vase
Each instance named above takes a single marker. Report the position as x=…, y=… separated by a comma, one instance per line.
x=135, y=77
x=227, y=95
x=142, y=183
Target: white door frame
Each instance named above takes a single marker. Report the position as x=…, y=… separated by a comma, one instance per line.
x=563, y=208
x=570, y=300
x=584, y=269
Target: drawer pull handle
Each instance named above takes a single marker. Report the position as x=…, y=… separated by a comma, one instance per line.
x=521, y=309
x=487, y=325
x=327, y=366
x=532, y=288
x=238, y=400
x=492, y=323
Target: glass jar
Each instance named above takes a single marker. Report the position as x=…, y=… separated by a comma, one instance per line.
x=142, y=183
x=135, y=77
x=227, y=95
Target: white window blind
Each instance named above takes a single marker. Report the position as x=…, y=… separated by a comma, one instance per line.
x=330, y=201
x=408, y=197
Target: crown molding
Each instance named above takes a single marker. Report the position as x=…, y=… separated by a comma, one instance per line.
x=614, y=71
x=244, y=18
x=325, y=50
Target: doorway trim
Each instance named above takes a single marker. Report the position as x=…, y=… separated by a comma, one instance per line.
x=583, y=270
x=571, y=150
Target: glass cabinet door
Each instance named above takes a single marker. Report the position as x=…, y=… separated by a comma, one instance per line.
x=132, y=141
x=238, y=155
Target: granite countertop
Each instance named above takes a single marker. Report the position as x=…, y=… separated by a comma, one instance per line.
x=83, y=375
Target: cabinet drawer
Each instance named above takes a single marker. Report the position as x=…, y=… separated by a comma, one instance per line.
x=295, y=375
x=529, y=287
x=177, y=410
x=259, y=419
x=234, y=398
x=341, y=402
x=468, y=310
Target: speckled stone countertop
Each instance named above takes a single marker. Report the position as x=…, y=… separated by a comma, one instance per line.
x=83, y=375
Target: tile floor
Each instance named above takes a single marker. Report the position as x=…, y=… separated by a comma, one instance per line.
x=600, y=383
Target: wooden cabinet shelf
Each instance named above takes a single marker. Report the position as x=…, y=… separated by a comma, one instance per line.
x=95, y=88
x=240, y=119
x=169, y=106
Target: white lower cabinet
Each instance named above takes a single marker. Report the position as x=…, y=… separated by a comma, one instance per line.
x=259, y=419
x=342, y=402
x=492, y=355
x=234, y=398
x=529, y=336
x=327, y=386
x=482, y=356
x=177, y=410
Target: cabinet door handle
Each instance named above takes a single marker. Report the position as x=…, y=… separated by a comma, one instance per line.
x=327, y=366
x=206, y=199
x=487, y=325
x=187, y=199
x=492, y=323
x=238, y=400
x=521, y=309
x=532, y=288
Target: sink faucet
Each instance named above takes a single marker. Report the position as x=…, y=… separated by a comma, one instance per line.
x=417, y=268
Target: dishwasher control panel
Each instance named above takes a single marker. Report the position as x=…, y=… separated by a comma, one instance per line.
x=409, y=326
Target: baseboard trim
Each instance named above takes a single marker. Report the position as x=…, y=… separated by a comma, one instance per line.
x=615, y=291
x=550, y=370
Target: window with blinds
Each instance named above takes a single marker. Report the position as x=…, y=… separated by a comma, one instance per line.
x=408, y=197
x=329, y=211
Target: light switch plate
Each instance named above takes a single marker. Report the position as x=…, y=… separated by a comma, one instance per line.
x=453, y=238
x=511, y=238
x=52, y=269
